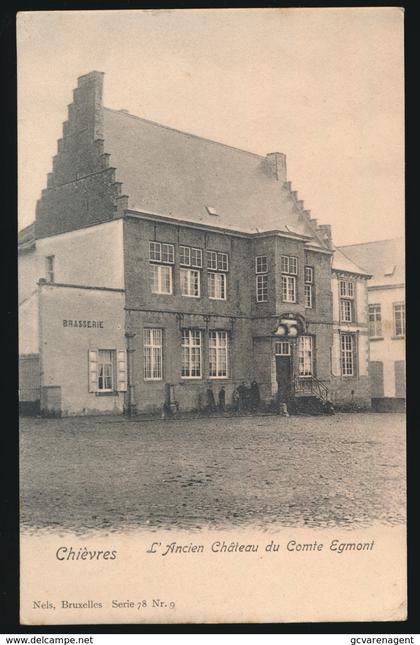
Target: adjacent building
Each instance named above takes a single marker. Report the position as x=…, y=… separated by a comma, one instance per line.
x=384, y=260
x=162, y=265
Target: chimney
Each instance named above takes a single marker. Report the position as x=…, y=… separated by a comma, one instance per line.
x=276, y=162
x=324, y=231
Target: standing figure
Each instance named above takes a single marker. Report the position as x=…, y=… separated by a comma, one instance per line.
x=222, y=398
x=255, y=396
x=235, y=399
x=242, y=391
x=211, y=403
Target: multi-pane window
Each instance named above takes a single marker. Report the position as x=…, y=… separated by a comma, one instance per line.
x=161, y=252
x=375, y=321
x=289, y=264
x=190, y=282
x=189, y=256
x=288, y=287
x=105, y=370
x=161, y=278
x=305, y=355
x=217, y=261
x=309, y=275
x=217, y=286
x=152, y=345
x=308, y=296
x=218, y=354
x=261, y=264
x=282, y=348
x=50, y=268
x=346, y=310
x=399, y=319
x=191, y=353
x=261, y=286
x=346, y=289
x=347, y=354
x=261, y=279
x=346, y=301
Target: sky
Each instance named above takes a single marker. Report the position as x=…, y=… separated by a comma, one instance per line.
x=324, y=86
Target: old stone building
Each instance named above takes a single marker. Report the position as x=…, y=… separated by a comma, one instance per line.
x=162, y=265
x=384, y=260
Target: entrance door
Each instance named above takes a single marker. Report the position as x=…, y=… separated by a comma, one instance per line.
x=284, y=377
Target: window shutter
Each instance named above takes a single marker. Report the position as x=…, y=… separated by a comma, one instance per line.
x=122, y=370
x=93, y=370
x=335, y=356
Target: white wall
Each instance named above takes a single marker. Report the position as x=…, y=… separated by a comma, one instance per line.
x=28, y=325
x=390, y=349
x=87, y=257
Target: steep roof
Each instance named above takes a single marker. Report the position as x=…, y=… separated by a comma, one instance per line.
x=180, y=175
x=383, y=259
x=341, y=262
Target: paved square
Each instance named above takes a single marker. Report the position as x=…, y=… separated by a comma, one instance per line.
x=86, y=474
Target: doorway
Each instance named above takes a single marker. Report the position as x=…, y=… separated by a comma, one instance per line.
x=284, y=377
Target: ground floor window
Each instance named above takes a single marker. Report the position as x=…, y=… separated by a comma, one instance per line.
x=305, y=355
x=152, y=344
x=218, y=354
x=105, y=370
x=347, y=354
x=191, y=353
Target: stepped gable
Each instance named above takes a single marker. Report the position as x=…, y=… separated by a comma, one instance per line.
x=109, y=161
x=81, y=188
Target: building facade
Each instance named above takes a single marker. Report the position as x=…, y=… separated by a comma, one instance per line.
x=163, y=266
x=386, y=318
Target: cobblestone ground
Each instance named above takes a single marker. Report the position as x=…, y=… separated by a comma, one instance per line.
x=113, y=474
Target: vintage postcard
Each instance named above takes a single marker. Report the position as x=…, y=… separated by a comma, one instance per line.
x=211, y=316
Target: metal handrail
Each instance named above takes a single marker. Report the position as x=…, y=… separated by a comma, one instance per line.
x=311, y=385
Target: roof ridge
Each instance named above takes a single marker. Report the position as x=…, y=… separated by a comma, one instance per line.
x=362, y=269
x=190, y=134
x=388, y=239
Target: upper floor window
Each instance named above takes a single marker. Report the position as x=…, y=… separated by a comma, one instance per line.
x=189, y=256
x=152, y=346
x=346, y=310
x=50, y=268
x=217, y=286
x=289, y=264
x=399, y=319
x=261, y=280
x=288, y=286
x=218, y=354
x=161, y=252
x=190, y=283
x=309, y=275
x=346, y=289
x=308, y=296
x=375, y=321
x=217, y=261
x=261, y=265
x=191, y=353
x=261, y=287
x=161, y=279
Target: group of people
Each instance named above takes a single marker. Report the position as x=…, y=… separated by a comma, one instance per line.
x=244, y=398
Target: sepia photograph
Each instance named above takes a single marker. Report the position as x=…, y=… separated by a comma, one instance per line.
x=211, y=265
